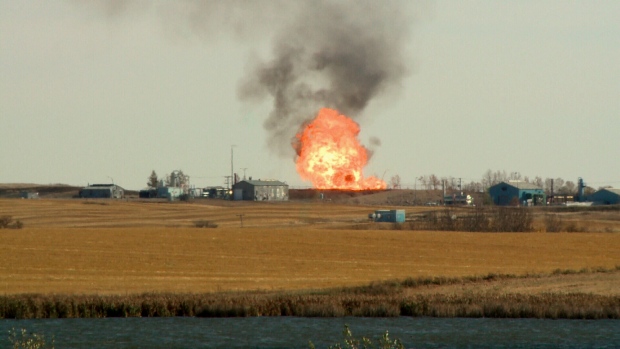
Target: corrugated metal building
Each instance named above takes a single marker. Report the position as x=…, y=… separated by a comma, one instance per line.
x=94, y=191
x=517, y=193
x=606, y=196
x=260, y=190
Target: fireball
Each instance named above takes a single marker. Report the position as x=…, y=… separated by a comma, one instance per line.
x=330, y=155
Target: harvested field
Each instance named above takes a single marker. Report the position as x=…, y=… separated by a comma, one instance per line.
x=132, y=247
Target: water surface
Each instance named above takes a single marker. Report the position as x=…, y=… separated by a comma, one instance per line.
x=294, y=332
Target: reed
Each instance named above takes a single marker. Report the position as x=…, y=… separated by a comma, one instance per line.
x=384, y=299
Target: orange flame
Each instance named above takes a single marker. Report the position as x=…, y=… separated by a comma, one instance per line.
x=331, y=156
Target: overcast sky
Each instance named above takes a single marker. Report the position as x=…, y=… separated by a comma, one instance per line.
x=101, y=91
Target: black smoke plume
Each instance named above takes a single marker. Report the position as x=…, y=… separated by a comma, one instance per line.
x=326, y=53
x=337, y=54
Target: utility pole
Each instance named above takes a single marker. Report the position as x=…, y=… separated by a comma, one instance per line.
x=244, y=168
x=232, y=175
x=552, y=196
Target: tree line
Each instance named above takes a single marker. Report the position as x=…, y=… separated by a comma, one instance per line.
x=555, y=186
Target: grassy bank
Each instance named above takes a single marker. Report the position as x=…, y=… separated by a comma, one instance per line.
x=384, y=299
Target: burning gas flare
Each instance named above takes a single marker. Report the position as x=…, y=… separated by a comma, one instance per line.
x=331, y=156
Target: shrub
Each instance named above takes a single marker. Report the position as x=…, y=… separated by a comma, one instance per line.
x=511, y=219
x=205, y=224
x=553, y=223
x=502, y=219
x=574, y=228
x=476, y=222
x=6, y=222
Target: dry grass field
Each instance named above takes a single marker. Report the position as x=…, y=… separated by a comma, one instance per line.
x=70, y=246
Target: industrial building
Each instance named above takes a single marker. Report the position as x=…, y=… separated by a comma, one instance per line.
x=170, y=193
x=260, y=190
x=98, y=191
x=147, y=193
x=517, y=193
x=457, y=199
x=174, y=186
x=215, y=192
x=606, y=196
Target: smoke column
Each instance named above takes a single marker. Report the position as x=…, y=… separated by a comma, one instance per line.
x=325, y=53
x=336, y=54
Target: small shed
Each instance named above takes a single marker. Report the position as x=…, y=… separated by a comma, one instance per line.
x=605, y=196
x=517, y=193
x=98, y=191
x=29, y=195
x=260, y=190
x=394, y=216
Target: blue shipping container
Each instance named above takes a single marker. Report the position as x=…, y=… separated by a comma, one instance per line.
x=394, y=216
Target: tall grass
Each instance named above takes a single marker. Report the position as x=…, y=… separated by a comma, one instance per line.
x=385, y=299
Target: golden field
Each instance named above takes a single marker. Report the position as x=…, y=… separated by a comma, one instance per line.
x=127, y=247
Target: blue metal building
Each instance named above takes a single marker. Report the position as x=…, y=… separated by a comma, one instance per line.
x=607, y=196
x=517, y=193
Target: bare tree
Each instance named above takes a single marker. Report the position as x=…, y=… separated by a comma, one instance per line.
x=538, y=181
x=395, y=182
x=500, y=176
x=568, y=188
x=589, y=190
x=487, y=179
x=548, y=186
x=152, y=183
x=558, y=183
x=473, y=187
x=424, y=181
x=434, y=181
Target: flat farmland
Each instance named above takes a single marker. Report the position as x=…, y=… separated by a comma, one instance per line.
x=127, y=247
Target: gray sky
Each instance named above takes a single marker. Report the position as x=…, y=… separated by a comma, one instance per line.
x=94, y=91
